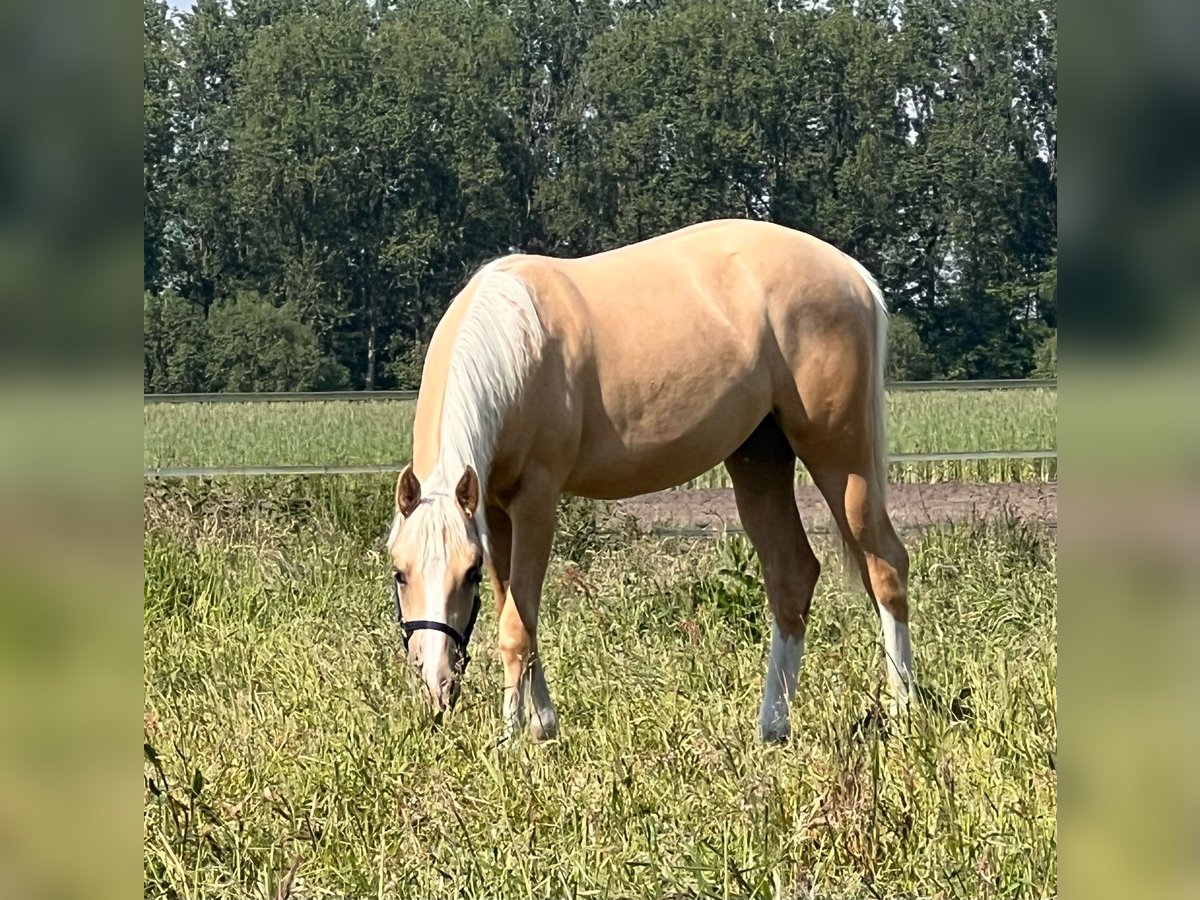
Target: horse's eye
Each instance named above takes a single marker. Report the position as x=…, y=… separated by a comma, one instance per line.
x=401, y=579
x=475, y=574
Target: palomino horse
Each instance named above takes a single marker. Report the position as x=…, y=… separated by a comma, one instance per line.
x=633, y=371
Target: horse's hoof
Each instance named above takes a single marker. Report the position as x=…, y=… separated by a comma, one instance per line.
x=543, y=725
x=778, y=732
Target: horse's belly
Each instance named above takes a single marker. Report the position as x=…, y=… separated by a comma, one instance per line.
x=662, y=447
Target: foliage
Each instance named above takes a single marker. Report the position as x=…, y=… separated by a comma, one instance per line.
x=908, y=360
x=254, y=345
x=283, y=732
x=1046, y=356
x=406, y=360
x=160, y=104
x=175, y=345
x=732, y=590
x=358, y=160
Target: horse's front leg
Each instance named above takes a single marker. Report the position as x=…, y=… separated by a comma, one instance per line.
x=526, y=697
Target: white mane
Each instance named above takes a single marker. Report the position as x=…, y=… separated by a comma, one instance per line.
x=497, y=345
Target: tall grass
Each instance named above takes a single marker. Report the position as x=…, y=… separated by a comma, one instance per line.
x=287, y=750
x=945, y=421
x=381, y=432
x=318, y=432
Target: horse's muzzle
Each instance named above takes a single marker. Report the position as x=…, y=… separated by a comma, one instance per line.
x=442, y=695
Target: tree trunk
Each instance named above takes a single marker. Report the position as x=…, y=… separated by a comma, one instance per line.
x=372, y=351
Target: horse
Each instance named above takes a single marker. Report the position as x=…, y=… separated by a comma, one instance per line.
x=630, y=371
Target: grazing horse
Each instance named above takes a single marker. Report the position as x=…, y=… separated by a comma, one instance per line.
x=633, y=371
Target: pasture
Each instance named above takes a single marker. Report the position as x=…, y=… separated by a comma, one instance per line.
x=380, y=432
x=287, y=753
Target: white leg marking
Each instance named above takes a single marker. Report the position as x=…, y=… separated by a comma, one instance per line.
x=779, y=692
x=897, y=647
x=530, y=691
x=543, y=722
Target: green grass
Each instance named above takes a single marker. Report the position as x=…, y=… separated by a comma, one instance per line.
x=236, y=434
x=284, y=732
x=380, y=432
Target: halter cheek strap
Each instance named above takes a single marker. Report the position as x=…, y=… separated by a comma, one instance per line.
x=408, y=628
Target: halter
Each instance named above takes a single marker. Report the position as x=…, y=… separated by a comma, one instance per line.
x=407, y=628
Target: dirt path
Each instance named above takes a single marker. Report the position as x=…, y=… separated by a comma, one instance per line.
x=913, y=506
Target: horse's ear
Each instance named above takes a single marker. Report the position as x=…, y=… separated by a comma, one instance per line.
x=467, y=492
x=408, y=492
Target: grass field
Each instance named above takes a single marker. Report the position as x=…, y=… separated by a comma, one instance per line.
x=287, y=753
x=380, y=432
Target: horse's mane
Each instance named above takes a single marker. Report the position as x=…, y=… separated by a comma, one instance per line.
x=497, y=344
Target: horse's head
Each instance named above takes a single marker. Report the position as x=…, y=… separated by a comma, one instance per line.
x=437, y=561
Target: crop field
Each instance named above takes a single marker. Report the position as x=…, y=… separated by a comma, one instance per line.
x=342, y=433
x=287, y=753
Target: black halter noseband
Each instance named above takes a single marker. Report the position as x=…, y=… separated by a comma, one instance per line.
x=407, y=628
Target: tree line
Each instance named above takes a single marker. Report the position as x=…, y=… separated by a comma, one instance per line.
x=321, y=176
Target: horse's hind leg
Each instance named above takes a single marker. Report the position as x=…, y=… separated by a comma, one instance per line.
x=858, y=506
x=763, y=471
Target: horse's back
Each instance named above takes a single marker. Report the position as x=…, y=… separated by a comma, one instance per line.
x=729, y=297
x=675, y=349
x=738, y=270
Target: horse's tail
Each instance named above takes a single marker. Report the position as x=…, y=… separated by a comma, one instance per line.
x=878, y=398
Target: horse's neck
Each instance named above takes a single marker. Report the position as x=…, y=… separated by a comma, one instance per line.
x=492, y=355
